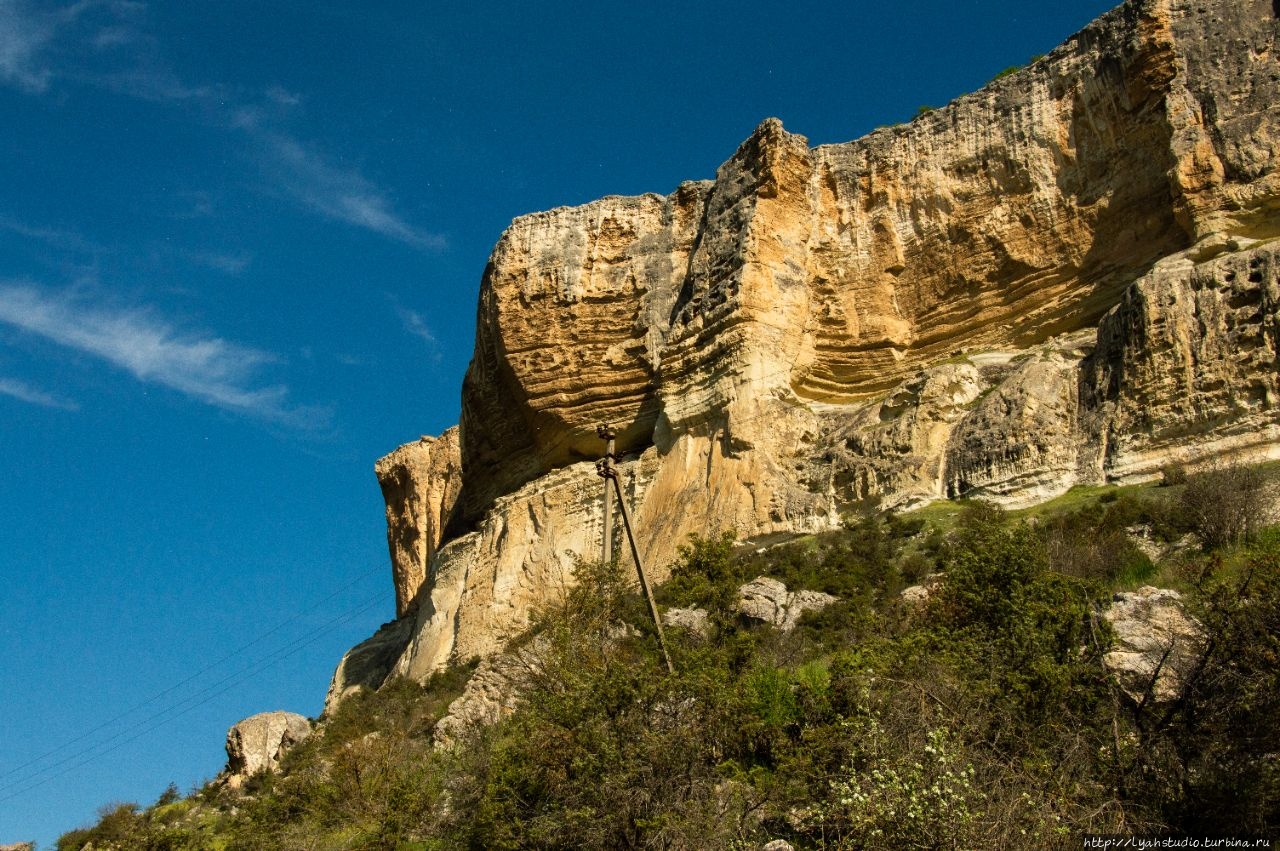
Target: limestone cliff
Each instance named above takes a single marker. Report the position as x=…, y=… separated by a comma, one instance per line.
x=420, y=483
x=1069, y=276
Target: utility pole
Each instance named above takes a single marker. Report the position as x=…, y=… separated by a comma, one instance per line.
x=607, y=434
x=609, y=473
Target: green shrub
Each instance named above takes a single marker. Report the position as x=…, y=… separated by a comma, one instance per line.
x=898, y=797
x=1211, y=758
x=1172, y=475
x=706, y=574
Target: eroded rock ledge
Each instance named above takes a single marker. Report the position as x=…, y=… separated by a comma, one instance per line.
x=420, y=483
x=1069, y=276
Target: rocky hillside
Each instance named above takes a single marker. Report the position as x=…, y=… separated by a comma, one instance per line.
x=953, y=677
x=1070, y=276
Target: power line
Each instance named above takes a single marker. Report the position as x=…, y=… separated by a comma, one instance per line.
x=208, y=693
x=147, y=726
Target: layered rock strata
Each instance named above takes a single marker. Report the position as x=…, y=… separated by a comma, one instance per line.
x=1069, y=276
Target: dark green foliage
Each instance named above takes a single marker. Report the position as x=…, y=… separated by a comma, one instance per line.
x=706, y=574
x=609, y=751
x=1013, y=69
x=127, y=826
x=1213, y=754
x=987, y=570
x=859, y=562
x=1094, y=542
x=118, y=825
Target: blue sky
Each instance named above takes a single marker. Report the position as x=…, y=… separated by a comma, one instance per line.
x=240, y=247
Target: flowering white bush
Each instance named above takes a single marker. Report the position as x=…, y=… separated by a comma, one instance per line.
x=924, y=799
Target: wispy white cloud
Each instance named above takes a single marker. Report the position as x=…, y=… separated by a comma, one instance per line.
x=24, y=392
x=231, y=264
x=282, y=97
x=23, y=37
x=36, y=48
x=416, y=325
x=54, y=237
x=351, y=360
x=155, y=83
x=109, y=38
x=336, y=193
x=29, y=36
x=205, y=367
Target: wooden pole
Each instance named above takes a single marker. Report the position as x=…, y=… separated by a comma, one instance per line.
x=607, y=434
x=607, y=472
x=644, y=583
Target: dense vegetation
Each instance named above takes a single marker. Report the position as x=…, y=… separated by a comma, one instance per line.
x=982, y=718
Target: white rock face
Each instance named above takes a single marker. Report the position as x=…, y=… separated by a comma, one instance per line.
x=695, y=621
x=768, y=600
x=1152, y=632
x=492, y=693
x=370, y=663
x=259, y=742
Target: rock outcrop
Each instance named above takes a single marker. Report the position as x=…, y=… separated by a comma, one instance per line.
x=1186, y=363
x=420, y=484
x=369, y=664
x=1157, y=644
x=493, y=692
x=693, y=620
x=767, y=600
x=259, y=742
x=1070, y=276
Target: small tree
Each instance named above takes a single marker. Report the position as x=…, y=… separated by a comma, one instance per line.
x=1224, y=504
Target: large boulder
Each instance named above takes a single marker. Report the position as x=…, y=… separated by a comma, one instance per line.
x=693, y=620
x=1157, y=644
x=259, y=742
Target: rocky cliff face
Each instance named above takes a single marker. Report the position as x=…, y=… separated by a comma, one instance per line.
x=420, y=483
x=1068, y=276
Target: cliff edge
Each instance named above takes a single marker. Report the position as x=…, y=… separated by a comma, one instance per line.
x=1070, y=276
